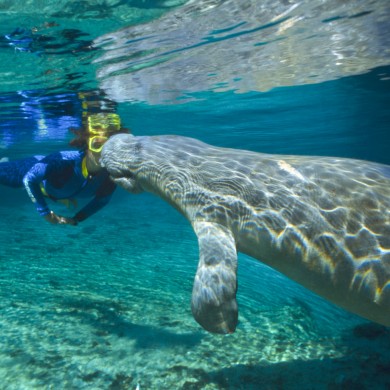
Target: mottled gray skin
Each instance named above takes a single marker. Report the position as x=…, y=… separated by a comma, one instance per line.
x=323, y=222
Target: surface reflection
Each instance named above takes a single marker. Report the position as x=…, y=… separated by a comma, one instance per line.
x=242, y=46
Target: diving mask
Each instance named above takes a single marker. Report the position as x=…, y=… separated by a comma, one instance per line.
x=104, y=123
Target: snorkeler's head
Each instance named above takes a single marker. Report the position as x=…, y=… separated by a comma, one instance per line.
x=100, y=127
x=104, y=123
x=96, y=130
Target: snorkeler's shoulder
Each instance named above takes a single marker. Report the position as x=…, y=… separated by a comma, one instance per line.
x=65, y=155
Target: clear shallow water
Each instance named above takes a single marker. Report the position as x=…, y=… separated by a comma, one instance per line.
x=107, y=304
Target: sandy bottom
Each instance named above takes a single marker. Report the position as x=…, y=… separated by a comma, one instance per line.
x=106, y=305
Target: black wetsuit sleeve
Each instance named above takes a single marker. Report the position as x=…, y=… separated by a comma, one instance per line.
x=102, y=197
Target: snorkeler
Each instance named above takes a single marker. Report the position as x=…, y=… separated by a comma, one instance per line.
x=67, y=175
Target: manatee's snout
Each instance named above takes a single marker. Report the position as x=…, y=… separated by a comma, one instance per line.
x=112, y=154
x=119, y=157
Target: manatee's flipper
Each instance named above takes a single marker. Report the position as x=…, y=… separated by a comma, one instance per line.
x=214, y=303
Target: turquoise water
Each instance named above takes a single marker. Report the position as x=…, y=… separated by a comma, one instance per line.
x=106, y=304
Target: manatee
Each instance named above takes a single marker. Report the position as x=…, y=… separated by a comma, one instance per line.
x=324, y=222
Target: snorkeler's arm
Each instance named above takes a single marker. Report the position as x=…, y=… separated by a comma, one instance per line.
x=32, y=181
x=102, y=197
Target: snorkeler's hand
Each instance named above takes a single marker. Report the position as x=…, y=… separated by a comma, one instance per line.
x=57, y=219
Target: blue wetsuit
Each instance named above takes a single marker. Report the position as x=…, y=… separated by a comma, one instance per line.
x=60, y=175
